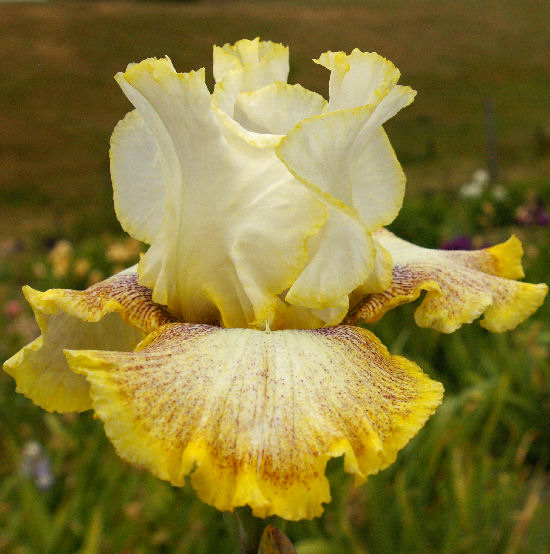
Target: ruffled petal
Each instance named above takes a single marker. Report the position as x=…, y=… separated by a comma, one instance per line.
x=224, y=101
x=236, y=224
x=237, y=125
x=114, y=314
x=341, y=257
x=347, y=156
x=357, y=79
x=277, y=108
x=398, y=97
x=261, y=62
x=244, y=67
x=249, y=414
x=382, y=274
x=137, y=176
x=460, y=285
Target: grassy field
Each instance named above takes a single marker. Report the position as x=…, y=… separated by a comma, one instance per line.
x=477, y=478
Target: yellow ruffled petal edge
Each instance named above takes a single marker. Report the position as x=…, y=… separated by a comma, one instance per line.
x=358, y=78
x=460, y=285
x=113, y=314
x=263, y=61
x=249, y=414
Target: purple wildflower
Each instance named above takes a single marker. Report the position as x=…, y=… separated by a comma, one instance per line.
x=459, y=242
x=36, y=466
x=533, y=212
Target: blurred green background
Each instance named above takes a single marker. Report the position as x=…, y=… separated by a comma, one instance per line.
x=476, y=479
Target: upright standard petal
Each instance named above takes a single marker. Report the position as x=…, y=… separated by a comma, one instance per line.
x=137, y=176
x=341, y=257
x=277, y=108
x=249, y=415
x=116, y=313
x=460, y=285
x=349, y=156
x=381, y=276
x=357, y=79
x=261, y=62
x=235, y=224
x=353, y=168
x=235, y=122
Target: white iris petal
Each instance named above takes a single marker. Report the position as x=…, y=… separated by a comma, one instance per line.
x=258, y=200
x=235, y=224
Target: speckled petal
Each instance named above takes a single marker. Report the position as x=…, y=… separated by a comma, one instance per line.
x=249, y=414
x=114, y=314
x=460, y=285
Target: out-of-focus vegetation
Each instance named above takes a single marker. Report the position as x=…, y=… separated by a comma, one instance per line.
x=476, y=479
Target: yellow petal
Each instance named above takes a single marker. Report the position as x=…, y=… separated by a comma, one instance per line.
x=381, y=276
x=335, y=312
x=277, y=108
x=348, y=155
x=341, y=257
x=261, y=62
x=236, y=223
x=237, y=123
x=357, y=79
x=254, y=416
x=224, y=99
x=114, y=314
x=137, y=175
x=460, y=285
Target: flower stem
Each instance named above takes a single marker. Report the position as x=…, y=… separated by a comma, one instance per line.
x=245, y=529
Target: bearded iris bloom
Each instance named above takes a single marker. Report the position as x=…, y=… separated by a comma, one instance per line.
x=229, y=353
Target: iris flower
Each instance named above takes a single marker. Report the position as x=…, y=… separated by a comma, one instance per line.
x=230, y=353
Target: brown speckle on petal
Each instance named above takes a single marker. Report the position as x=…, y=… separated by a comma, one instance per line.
x=254, y=416
x=113, y=314
x=460, y=285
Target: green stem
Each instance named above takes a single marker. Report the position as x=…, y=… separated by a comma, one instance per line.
x=245, y=529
